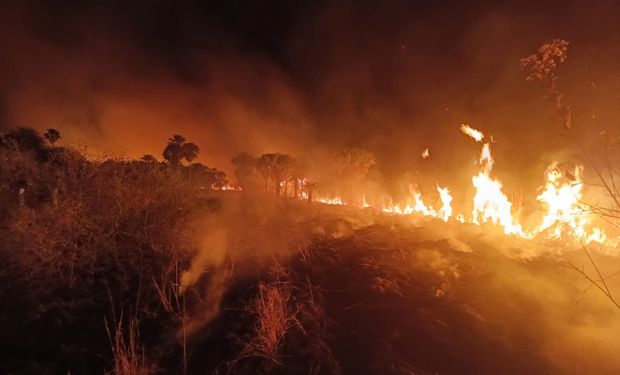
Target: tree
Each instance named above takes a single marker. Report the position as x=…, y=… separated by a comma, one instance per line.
x=245, y=166
x=299, y=168
x=52, y=135
x=541, y=67
x=206, y=177
x=189, y=151
x=264, y=165
x=274, y=167
x=148, y=158
x=25, y=139
x=173, y=153
x=179, y=149
x=352, y=167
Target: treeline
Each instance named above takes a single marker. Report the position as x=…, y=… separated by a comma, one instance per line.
x=285, y=175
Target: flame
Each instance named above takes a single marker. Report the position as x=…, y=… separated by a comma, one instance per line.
x=475, y=134
x=445, y=212
x=426, y=154
x=336, y=200
x=226, y=188
x=490, y=203
x=565, y=214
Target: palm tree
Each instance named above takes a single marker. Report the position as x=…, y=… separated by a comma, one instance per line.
x=189, y=152
x=173, y=153
x=52, y=135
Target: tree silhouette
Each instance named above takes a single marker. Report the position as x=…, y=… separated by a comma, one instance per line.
x=52, y=135
x=148, y=158
x=299, y=168
x=265, y=166
x=178, y=149
x=26, y=140
x=352, y=167
x=245, y=166
x=173, y=153
x=206, y=177
x=189, y=152
x=276, y=168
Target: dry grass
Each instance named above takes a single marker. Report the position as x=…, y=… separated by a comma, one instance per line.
x=275, y=317
x=128, y=355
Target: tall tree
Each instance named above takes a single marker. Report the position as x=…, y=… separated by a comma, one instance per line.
x=189, y=152
x=245, y=166
x=173, y=153
x=299, y=168
x=265, y=166
x=276, y=168
x=352, y=167
x=206, y=177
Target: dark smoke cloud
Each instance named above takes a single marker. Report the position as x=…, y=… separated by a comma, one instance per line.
x=309, y=77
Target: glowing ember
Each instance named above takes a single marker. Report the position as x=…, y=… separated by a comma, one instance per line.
x=336, y=200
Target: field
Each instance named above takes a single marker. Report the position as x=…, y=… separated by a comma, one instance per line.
x=247, y=284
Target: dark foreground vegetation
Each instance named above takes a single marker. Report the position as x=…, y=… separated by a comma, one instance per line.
x=129, y=267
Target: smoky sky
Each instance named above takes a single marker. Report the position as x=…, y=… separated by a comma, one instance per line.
x=308, y=77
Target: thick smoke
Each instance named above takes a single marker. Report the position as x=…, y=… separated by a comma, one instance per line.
x=307, y=79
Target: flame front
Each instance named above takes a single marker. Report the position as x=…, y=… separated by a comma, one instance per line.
x=564, y=215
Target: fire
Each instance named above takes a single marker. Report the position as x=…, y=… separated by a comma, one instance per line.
x=565, y=214
x=490, y=203
x=445, y=212
x=475, y=134
x=426, y=154
x=336, y=200
x=226, y=188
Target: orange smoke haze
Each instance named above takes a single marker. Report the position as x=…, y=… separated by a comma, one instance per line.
x=392, y=78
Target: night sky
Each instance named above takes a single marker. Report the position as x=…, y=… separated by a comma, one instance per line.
x=308, y=77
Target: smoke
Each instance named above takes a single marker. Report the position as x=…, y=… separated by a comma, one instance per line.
x=308, y=79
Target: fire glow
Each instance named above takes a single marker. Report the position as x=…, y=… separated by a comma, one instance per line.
x=564, y=217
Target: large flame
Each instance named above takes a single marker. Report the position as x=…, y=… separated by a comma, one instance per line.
x=564, y=216
x=490, y=203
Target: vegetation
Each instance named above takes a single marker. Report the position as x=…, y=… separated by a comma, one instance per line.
x=93, y=253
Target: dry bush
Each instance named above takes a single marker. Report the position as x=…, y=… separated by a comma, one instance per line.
x=128, y=355
x=80, y=233
x=274, y=318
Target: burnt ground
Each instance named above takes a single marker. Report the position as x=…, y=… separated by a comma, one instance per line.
x=356, y=292
x=399, y=297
